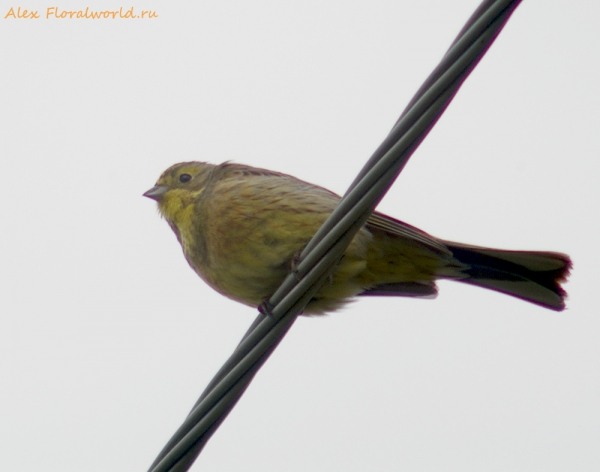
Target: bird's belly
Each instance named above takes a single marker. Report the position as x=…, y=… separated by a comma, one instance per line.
x=244, y=271
x=250, y=273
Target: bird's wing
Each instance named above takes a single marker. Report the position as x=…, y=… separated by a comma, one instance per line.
x=389, y=225
x=377, y=221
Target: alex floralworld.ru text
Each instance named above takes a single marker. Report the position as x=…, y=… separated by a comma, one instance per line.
x=55, y=12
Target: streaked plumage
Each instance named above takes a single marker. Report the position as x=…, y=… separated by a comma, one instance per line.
x=240, y=228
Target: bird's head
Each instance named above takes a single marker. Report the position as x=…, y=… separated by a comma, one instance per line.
x=178, y=188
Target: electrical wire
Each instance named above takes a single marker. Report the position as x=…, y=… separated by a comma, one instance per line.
x=320, y=256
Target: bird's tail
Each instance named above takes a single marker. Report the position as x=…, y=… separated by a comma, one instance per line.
x=529, y=275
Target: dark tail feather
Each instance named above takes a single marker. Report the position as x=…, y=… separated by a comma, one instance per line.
x=531, y=276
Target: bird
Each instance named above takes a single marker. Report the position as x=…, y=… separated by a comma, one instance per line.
x=242, y=228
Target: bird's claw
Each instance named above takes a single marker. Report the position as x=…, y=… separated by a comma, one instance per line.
x=266, y=308
x=294, y=265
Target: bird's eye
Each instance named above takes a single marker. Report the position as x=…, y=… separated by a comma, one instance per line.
x=185, y=178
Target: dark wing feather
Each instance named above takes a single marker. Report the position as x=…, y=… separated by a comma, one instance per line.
x=398, y=228
x=403, y=289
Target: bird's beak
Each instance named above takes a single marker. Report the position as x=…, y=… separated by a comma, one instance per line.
x=156, y=192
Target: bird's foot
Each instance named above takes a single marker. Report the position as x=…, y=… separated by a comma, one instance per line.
x=294, y=265
x=266, y=308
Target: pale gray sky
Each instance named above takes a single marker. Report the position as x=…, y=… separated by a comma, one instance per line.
x=107, y=337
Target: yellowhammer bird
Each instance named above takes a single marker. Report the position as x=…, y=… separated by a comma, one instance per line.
x=241, y=227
